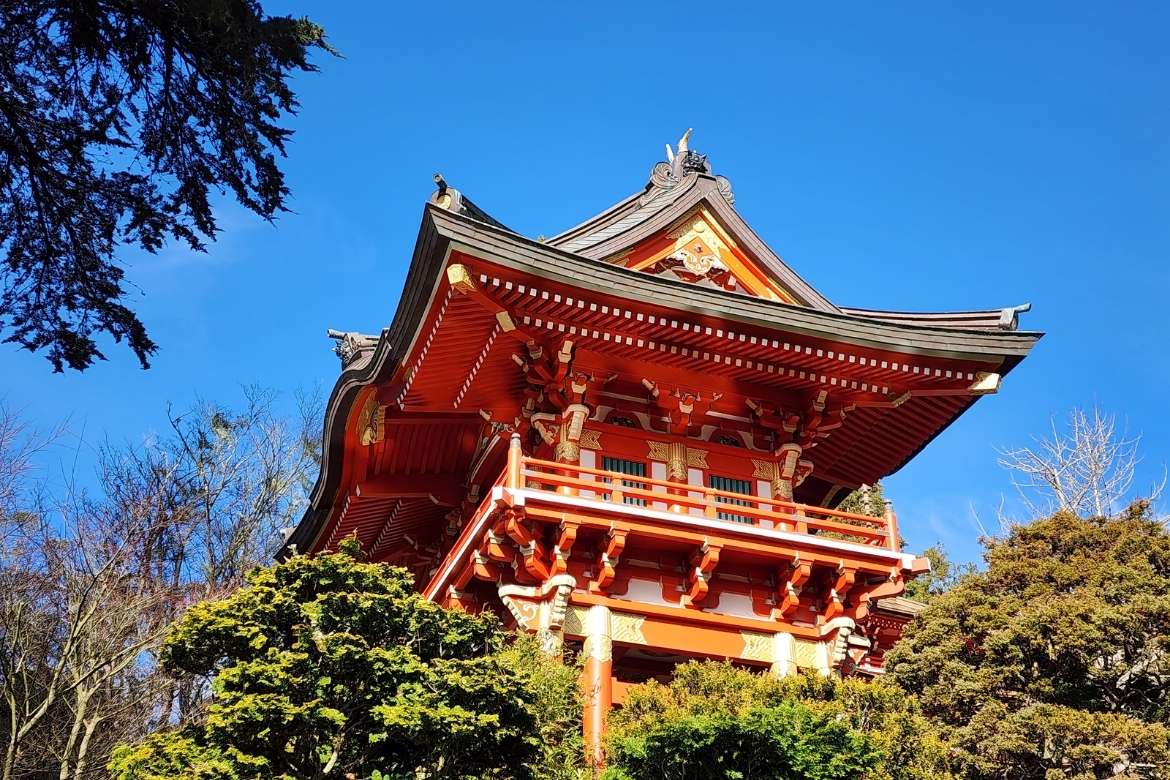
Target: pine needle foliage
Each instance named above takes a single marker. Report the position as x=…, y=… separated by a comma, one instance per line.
x=1055, y=661
x=119, y=121
x=330, y=667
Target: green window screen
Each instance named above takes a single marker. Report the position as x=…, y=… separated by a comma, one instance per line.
x=635, y=468
x=731, y=486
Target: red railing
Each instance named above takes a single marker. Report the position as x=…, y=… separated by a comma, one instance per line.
x=697, y=500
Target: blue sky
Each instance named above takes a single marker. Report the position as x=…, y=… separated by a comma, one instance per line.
x=904, y=156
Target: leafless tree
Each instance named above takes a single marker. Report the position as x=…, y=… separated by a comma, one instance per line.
x=219, y=486
x=1088, y=467
x=75, y=622
x=89, y=581
x=19, y=447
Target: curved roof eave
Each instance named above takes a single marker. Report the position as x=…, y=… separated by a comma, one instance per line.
x=442, y=230
x=569, y=268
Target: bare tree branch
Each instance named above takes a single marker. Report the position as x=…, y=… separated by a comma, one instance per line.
x=1086, y=467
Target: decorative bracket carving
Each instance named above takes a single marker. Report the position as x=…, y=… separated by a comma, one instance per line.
x=703, y=563
x=677, y=457
x=607, y=561
x=684, y=409
x=564, y=547
x=791, y=584
x=532, y=555
x=839, y=591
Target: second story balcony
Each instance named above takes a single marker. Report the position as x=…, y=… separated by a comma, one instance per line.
x=618, y=533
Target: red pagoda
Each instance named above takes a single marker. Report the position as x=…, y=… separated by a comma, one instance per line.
x=630, y=438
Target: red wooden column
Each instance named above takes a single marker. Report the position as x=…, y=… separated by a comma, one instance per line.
x=514, y=478
x=597, y=681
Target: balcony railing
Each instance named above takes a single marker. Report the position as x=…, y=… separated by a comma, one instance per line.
x=697, y=500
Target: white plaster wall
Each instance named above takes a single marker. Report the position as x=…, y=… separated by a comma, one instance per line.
x=588, y=460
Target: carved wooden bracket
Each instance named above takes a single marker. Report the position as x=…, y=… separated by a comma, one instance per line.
x=790, y=586
x=804, y=427
x=532, y=557
x=786, y=473
x=607, y=561
x=458, y=599
x=482, y=568
x=683, y=409
x=703, y=563
x=839, y=592
x=567, y=534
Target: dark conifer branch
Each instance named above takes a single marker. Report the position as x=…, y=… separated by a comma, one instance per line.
x=118, y=119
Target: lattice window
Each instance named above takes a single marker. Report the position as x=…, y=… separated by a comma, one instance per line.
x=731, y=485
x=635, y=468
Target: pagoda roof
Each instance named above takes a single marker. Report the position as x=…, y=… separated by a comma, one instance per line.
x=963, y=335
x=663, y=202
x=584, y=261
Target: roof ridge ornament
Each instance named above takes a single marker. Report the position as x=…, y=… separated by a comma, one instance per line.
x=447, y=197
x=351, y=345
x=682, y=167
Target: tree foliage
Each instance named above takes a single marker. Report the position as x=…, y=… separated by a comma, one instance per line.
x=1055, y=661
x=558, y=701
x=866, y=500
x=118, y=120
x=944, y=574
x=328, y=667
x=717, y=721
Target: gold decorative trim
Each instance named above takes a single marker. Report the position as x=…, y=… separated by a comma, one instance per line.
x=624, y=627
x=805, y=654
x=599, y=648
x=659, y=451
x=590, y=440
x=695, y=226
x=567, y=451
x=697, y=458
x=757, y=646
x=574, y=621
x=677, y=457
x=460, y=279
x=371, y=421
x=763, y=469
x=505, y=320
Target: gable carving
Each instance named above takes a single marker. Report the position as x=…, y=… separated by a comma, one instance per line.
x=696, y=249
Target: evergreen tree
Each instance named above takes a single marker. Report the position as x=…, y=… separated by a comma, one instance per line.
x=118, y=118
x=1055, y=661
x=716, y=721
x=866, y=500
x=327, y=667
x=944, y=574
